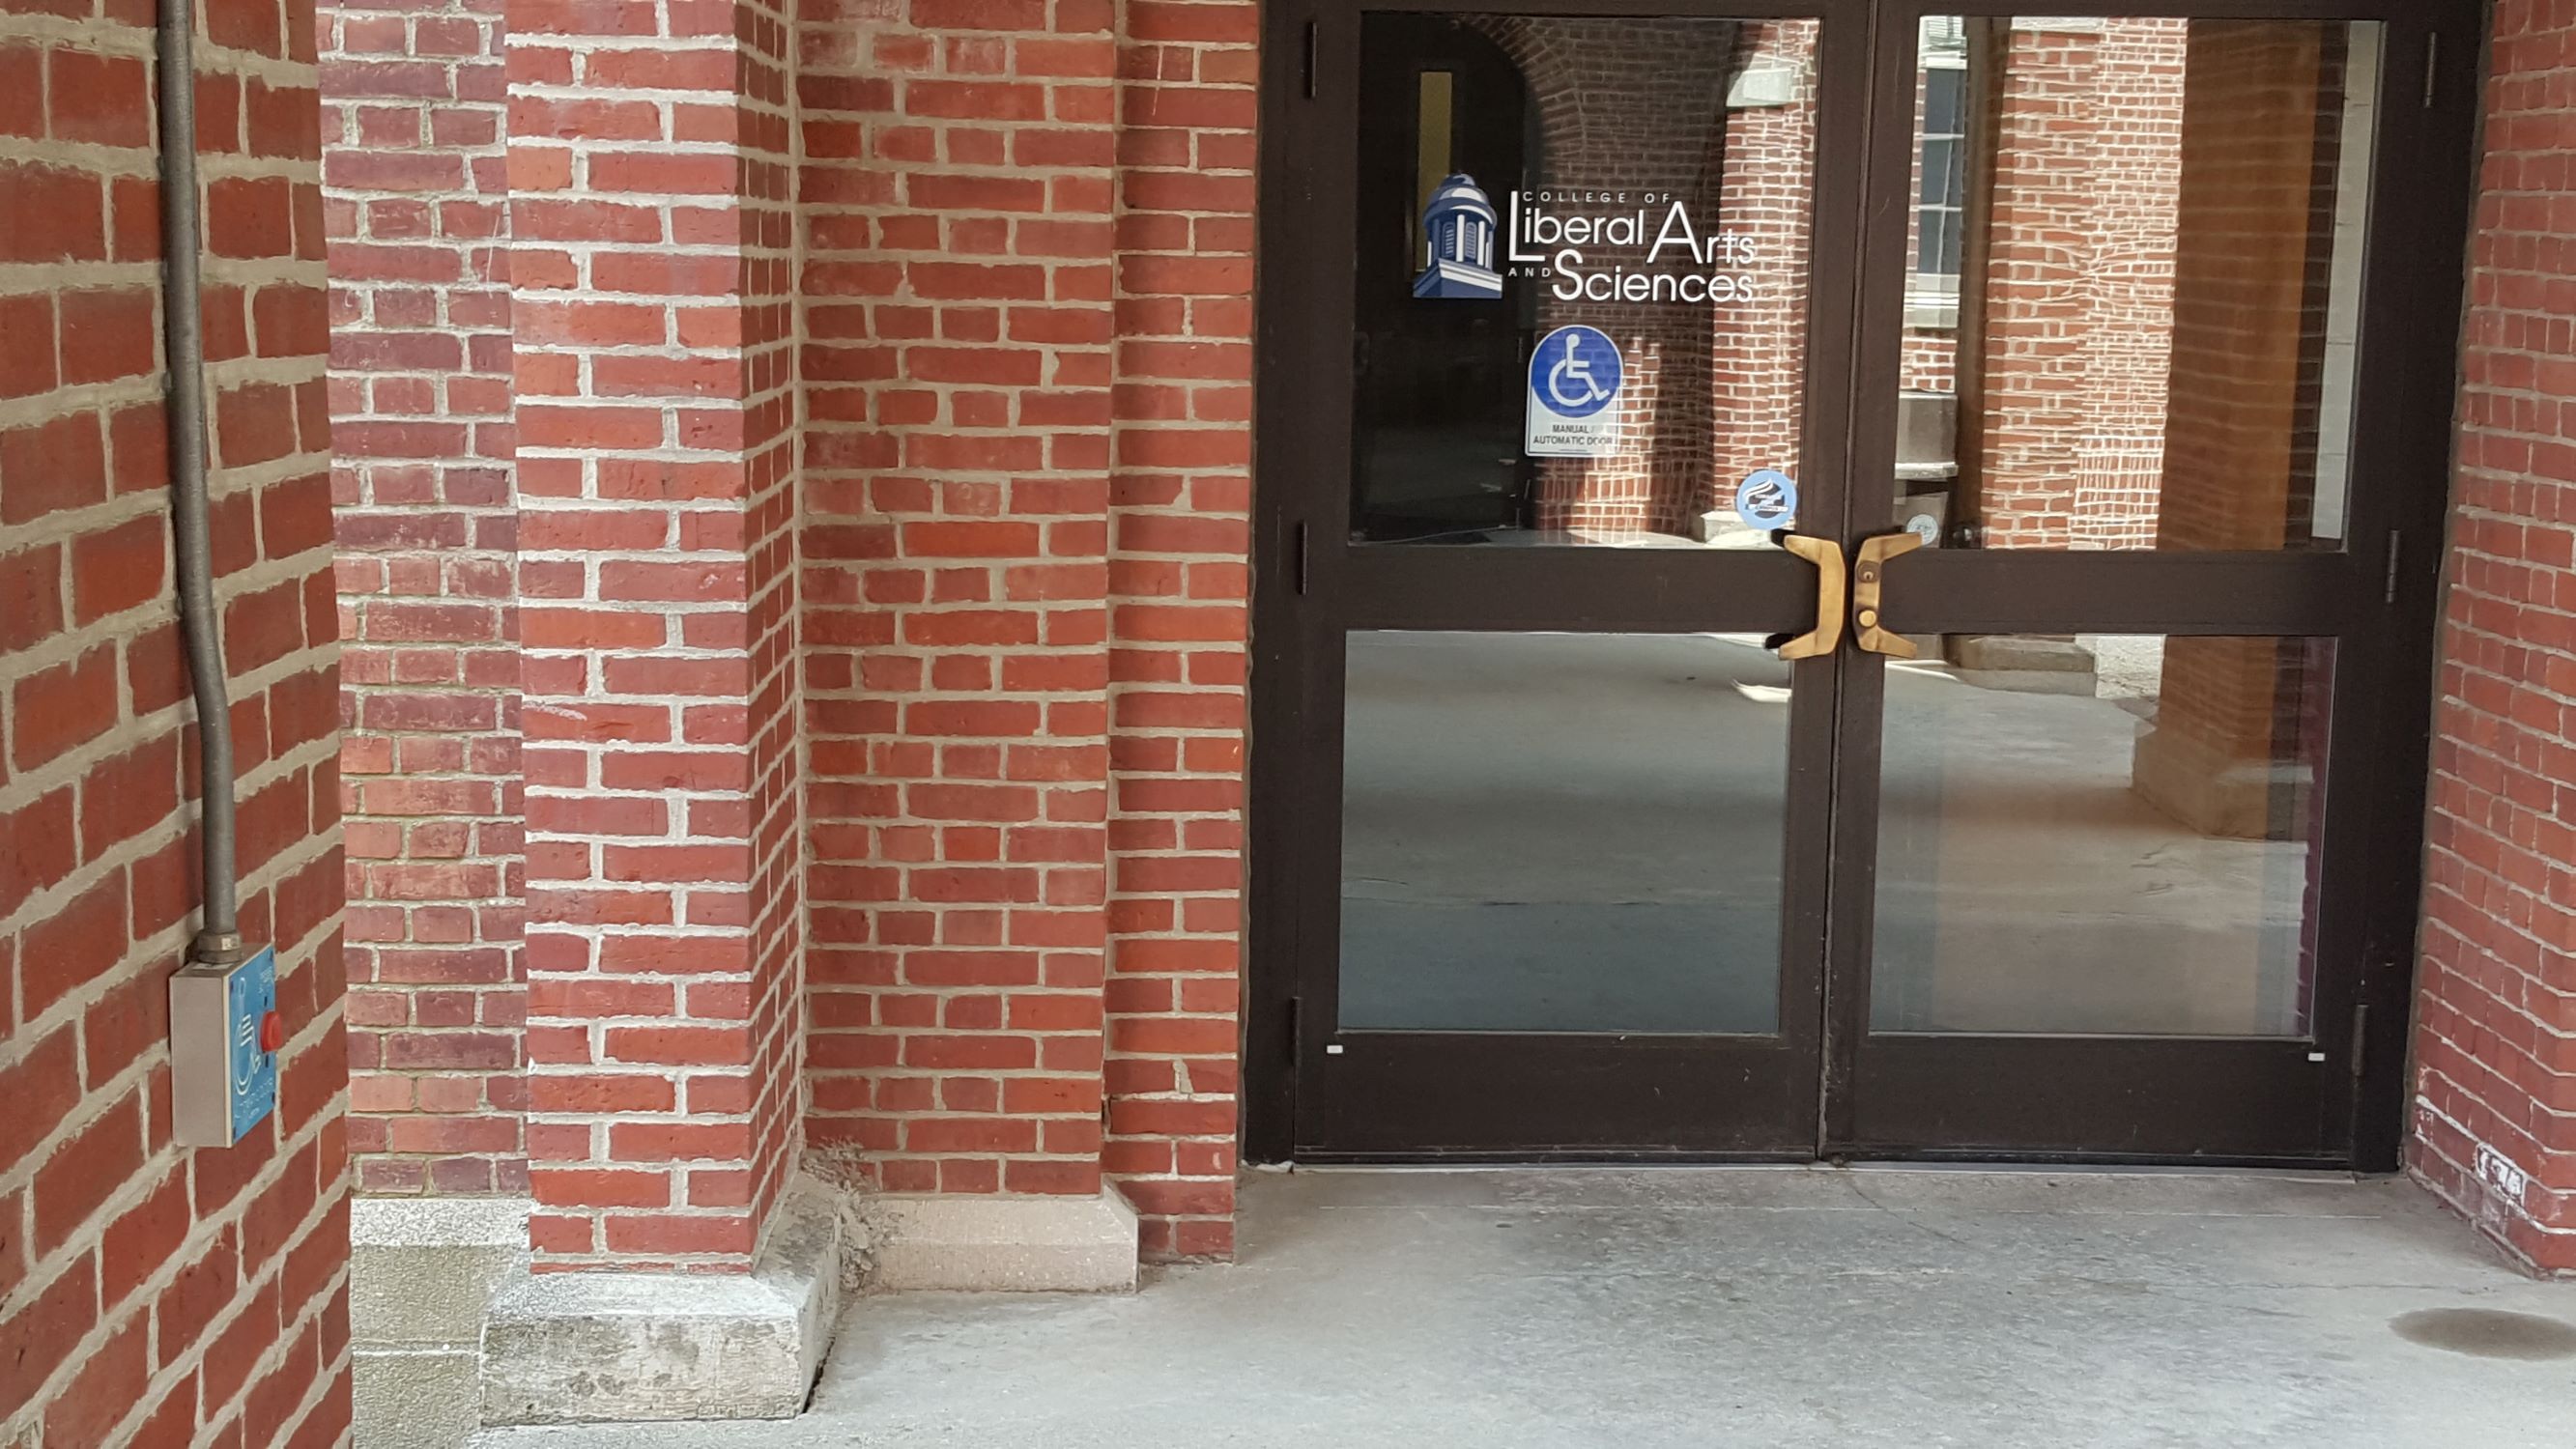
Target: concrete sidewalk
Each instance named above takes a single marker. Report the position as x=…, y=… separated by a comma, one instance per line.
x=1560, y=1309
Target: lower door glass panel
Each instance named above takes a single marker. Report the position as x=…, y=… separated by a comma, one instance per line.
x=2101, y=834
x=1562, y=832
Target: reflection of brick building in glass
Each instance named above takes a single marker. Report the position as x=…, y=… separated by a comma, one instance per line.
x=2063, y=332
x=1719, y=116
x=1758, y=372
x=1710, y=122
x=2163, y=205
x=2075, y=327
x=2141, y=337
x=1631, y=107
x=2132, y=250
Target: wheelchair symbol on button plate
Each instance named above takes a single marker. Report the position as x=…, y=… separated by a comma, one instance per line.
x=1574, y=377
x=1766, y=500
x=1582, y=370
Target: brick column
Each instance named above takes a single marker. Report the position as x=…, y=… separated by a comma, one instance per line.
x=1180, y=496
x=1766, y=190
x=420, y=398
x=651, y=325
x=2494, y=1121
x=2253, y=253
x=2261, y=113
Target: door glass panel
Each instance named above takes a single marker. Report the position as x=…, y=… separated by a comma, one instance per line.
x=2134, y=282
x=1581, y=279
x=1562, y=832
x=2101, y=834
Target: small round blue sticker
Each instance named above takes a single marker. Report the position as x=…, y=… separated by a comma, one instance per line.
x=1766, y=500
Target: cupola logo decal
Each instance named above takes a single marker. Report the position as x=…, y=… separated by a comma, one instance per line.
x=1458, y=243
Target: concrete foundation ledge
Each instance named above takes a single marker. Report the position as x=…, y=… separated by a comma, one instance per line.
x=422, y=1273
x=422, y=1270
x=1004, y=1244
x=565, y=1348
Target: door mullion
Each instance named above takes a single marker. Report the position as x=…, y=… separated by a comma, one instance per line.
x=1884, y=116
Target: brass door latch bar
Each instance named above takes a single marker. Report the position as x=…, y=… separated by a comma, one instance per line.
x=1869, y=579
x=1827, y=636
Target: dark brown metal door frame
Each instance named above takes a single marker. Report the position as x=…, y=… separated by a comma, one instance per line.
x=1391, y=1095
x=1394, y=1096
x=2239, y=1100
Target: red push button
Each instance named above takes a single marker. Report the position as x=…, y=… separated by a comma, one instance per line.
x=272, y=1032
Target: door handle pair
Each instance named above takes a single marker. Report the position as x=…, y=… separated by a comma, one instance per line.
x=1856, y=593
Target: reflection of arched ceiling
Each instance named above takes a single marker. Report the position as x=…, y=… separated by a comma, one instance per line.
x=1634, y=105
x=1624, y=102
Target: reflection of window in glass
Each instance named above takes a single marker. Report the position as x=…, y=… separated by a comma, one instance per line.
x=1942, y=190
x=1434, y=108
x=1945, y=178
x=2354, y=154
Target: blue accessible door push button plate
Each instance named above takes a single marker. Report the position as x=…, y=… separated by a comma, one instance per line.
x=224, y=1035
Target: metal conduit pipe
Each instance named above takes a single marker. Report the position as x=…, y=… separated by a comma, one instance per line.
x=184, y=349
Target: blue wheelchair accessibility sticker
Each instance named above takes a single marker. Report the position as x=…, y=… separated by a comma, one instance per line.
x=1574, y=377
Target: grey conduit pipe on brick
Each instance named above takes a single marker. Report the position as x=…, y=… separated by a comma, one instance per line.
x=183, y=342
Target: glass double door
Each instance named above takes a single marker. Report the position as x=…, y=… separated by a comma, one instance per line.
x=1846, y=581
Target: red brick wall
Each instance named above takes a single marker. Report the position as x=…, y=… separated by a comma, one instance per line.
x=958, y=299
x=2495, y=1045
x=651, y=324
x=150, y=1294
x=1179, y=581
x=424, y=514
x=1028, y=307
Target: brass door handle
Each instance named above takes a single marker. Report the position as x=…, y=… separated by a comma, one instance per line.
x=1869, y=580
x=1827, y=636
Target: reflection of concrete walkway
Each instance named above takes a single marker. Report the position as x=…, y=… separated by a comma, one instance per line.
x=2024, y=886
x=1582, y=832
x=1719, y=1309
x=1568, y=832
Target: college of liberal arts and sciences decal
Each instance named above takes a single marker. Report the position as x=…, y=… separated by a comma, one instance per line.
x=1556, y=236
